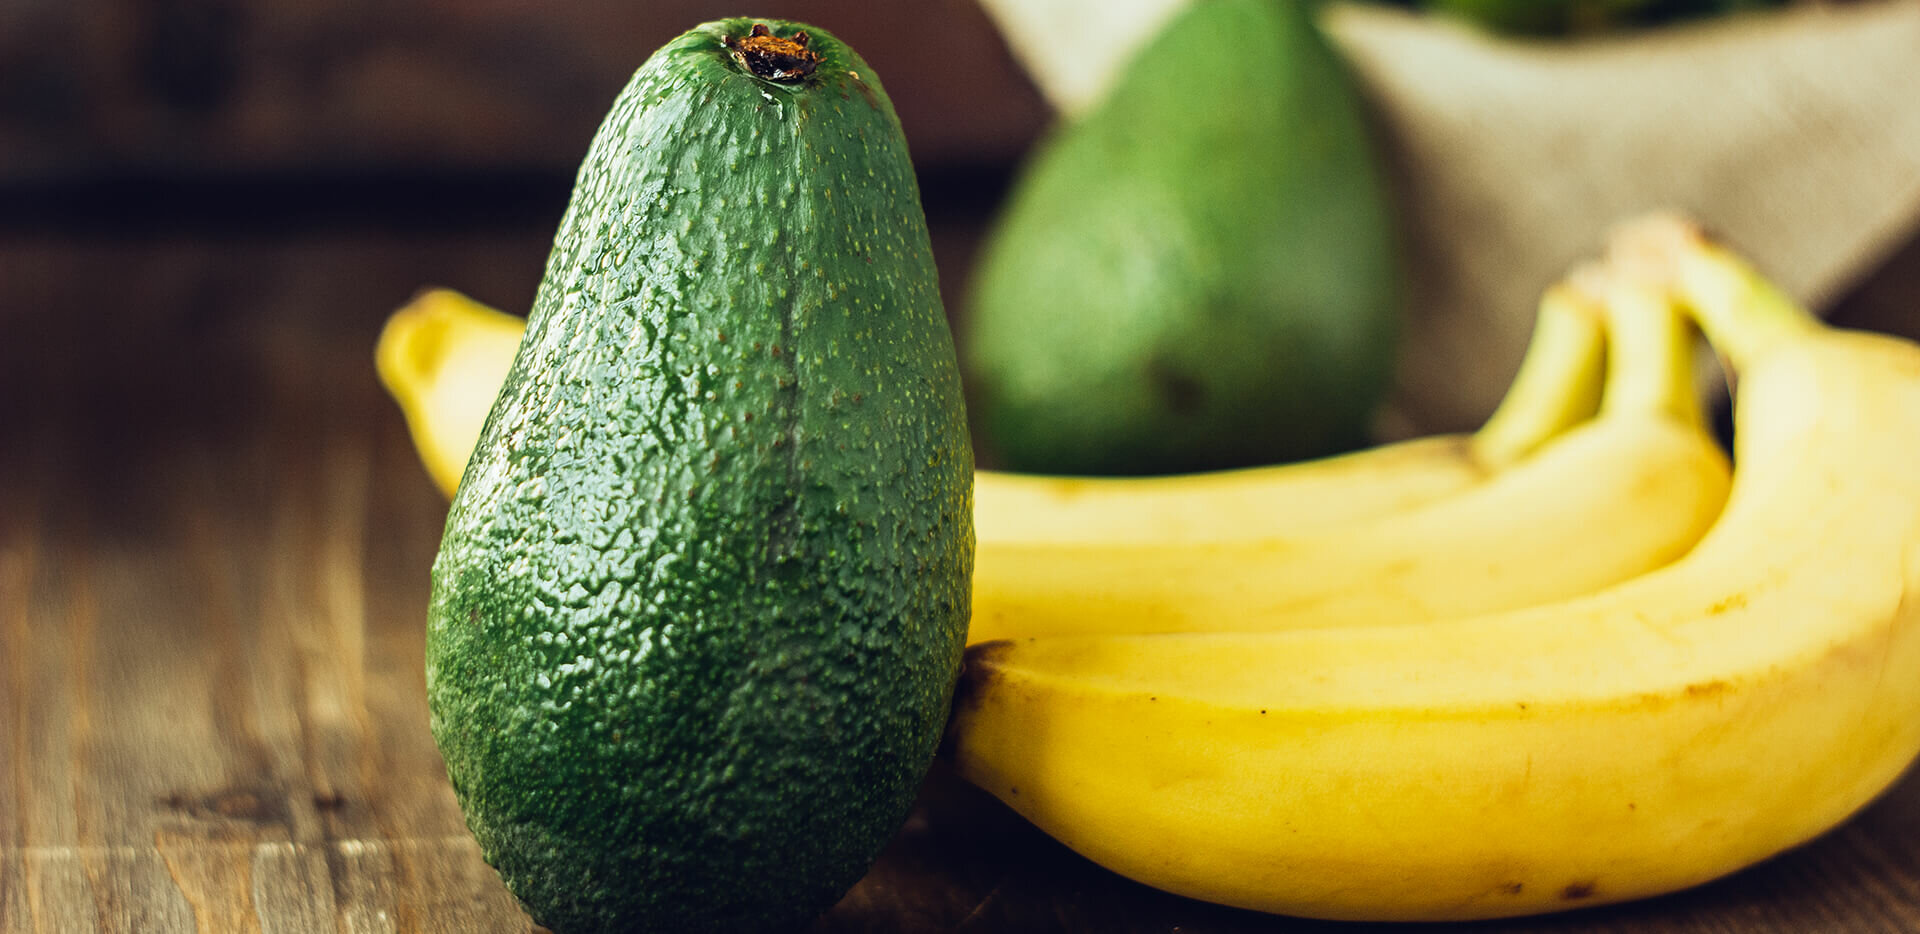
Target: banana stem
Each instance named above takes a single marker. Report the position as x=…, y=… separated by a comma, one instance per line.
x=1742, y=313
x=1557, y=386
x=1650, y=363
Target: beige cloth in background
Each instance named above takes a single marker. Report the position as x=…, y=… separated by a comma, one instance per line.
x=1793, y=134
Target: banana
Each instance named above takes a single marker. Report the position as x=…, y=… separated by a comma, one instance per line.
x=1634, y=741
x=443, y=357
x=1623, y=494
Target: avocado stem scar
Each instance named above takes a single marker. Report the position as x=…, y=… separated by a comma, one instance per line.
x=773, y=58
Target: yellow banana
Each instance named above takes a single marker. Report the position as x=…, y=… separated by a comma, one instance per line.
x=1619, y=496
x=443, y=357
x=1634, y=741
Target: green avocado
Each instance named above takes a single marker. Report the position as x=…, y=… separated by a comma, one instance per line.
x=699, y=608
x=1199, y=273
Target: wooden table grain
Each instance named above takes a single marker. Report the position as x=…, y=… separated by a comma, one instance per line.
x=214, y=543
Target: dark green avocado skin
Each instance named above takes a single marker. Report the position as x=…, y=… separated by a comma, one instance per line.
x=701, y=600
x=1201, y=272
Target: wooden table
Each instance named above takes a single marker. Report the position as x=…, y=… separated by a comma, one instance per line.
x=214, y=542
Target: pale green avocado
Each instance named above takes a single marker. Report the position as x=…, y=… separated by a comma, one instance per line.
x=700, y=604
x=1200, y=272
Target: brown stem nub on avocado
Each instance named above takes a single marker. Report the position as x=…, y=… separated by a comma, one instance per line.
x=774, y=58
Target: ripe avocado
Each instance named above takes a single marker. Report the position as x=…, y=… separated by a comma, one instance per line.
x=1200, y=272
x=700, y=603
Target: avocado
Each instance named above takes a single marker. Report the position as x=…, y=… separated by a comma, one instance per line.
x=1199, y=273
x=700, y=603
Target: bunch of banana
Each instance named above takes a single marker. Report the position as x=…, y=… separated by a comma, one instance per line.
x=1618, y=496
x=1639, y=739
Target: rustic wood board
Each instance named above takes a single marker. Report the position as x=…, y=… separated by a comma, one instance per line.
x=214, y=544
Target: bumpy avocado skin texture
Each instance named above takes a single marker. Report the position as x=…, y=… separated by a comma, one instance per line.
x=703, y=590
x=1199, y=273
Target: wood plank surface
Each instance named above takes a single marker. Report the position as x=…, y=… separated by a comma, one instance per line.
x=214, y=543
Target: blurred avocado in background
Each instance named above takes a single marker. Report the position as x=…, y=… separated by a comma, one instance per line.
x=1098, y=342
x=1198, y=273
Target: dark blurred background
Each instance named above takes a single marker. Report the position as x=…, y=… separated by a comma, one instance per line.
x=203, y=200
x=206, y=201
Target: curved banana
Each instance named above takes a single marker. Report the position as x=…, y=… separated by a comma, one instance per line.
x=443, y=357
x=1642, y=739
x=1619, y=496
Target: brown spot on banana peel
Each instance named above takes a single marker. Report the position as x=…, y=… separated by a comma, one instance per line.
x=978, y=674
x=1576, y=891
x=1696, y=690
